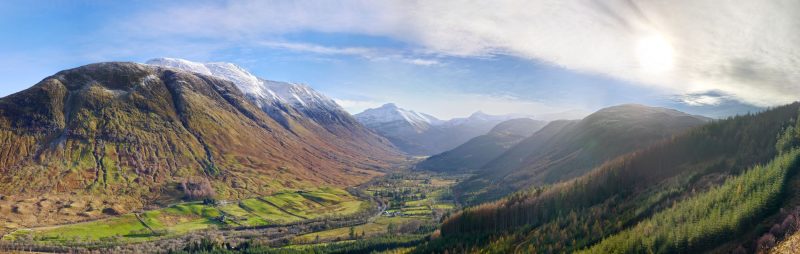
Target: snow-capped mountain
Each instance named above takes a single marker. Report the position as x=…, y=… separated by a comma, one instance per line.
x=422, y=134
x=480, y=117
x=389, y=113
x=264, y=92
x=297, y=107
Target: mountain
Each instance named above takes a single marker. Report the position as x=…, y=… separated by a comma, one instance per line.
x=421, y=134
x=480, y=150
x=567, y=149
x=389, y=117
x=298, y=108
x=564, y=115
x=115, y=137
x=729, y=186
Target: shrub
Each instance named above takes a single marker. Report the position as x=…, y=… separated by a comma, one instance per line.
x=197, y=189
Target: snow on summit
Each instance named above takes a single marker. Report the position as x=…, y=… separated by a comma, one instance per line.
x=390, y=112
x=264, y=91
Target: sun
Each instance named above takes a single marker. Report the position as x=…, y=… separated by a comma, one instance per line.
x=654, y=53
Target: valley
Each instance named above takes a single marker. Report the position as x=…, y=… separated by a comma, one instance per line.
x=279, y=209
x=400, y=127
x=406, y=204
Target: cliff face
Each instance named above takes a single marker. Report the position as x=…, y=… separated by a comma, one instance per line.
x=128, y=134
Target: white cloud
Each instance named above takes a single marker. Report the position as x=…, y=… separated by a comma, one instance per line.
x=374, y=54
x=357, y=106
x=319, y=49
x=423, y=62
x=748, y=49
x=701, y=100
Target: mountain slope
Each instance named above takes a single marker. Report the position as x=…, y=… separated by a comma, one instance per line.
x=308, y=114
x=126, y=135
x=712, y=217
x=626, y=191
x=478, y=151
x=567, y=149
x=421, y=134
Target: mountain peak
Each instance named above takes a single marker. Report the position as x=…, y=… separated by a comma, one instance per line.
x=389, y=106
x=390, y=113
x=479, y=113
x=638, y=111
x=110, y=75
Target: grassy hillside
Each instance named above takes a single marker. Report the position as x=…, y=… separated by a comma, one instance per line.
x=567, y=149
x=109, y=138
x=620, y=194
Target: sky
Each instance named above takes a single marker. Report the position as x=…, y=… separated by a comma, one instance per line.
x=445, y=58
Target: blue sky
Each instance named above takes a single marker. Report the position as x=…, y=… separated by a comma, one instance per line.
x=506, y=57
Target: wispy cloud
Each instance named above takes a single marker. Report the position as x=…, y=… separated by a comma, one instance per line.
x=319, y=49
x=375, y=54
x=356, y=106
x=423, y=62
x=748, y=49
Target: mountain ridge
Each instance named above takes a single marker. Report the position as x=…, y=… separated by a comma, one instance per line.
x=568, y=148
x=480, y=150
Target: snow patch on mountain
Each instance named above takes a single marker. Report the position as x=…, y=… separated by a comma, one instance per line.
x=264, y=91
x=391, y=113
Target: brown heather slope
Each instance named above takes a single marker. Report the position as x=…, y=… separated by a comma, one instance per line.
x=124, y=135
x=304, y=112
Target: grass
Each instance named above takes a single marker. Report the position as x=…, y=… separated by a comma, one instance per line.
x=124, y=226
x=417, y=212
x=266, y=211
x=294, y=204
x=239, y=216
x=444, y=206
x=379, y=226
x=187, y=217
x=414, y=210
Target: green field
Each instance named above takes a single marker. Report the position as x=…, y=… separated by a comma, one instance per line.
x=412, y=198
x=124, y=226
x=379, y=226
x=280, y=208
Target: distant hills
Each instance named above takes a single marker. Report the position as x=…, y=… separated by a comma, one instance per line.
x=127, y=135
x=566, y=149
x=422, y=134
x=478, y=151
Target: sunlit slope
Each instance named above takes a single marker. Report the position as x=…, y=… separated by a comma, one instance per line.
x=128, y=135
x=622, y=193
x=563, y=150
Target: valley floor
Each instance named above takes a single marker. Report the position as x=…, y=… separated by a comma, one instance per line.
x=409, y=203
